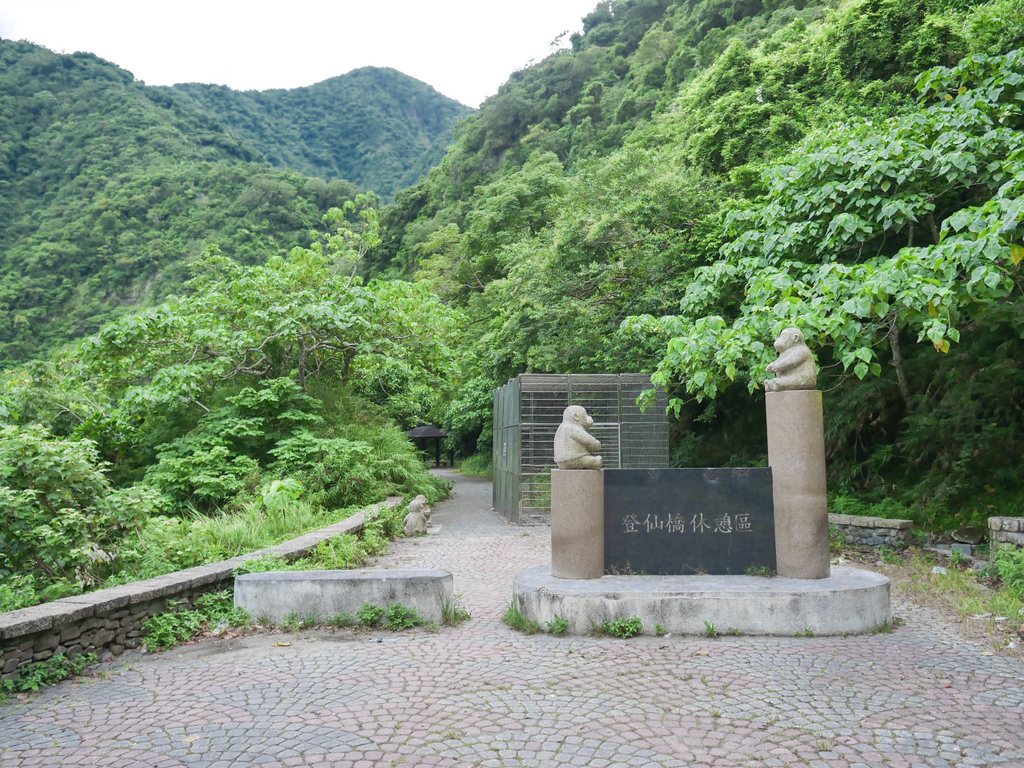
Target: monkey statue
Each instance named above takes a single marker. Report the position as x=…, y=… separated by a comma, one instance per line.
x=415, y=524
x=574, y=445
x=795, y=368
x=419, y=504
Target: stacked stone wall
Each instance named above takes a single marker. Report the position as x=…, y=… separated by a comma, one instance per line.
x=1006, y=531
x=872, y=531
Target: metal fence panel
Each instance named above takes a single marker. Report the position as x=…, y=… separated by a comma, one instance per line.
x=527, y=412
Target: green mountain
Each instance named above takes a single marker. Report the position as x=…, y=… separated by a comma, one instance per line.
x=375, y=127
x=109, y=188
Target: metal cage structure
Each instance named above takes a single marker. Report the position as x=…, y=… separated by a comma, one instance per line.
x=527, y=412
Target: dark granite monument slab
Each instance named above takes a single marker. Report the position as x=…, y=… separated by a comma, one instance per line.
x=688, y=521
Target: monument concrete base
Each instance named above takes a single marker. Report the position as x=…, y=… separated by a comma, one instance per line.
x=850, y=601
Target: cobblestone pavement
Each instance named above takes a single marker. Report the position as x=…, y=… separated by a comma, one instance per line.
x=481, y=694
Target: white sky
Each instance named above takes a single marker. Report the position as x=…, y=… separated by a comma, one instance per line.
x=464, y=48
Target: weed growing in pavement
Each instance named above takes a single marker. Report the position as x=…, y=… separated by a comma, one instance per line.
x=453, y=612
x=761, y=570
x=625, y=627
x=558, y=625
x=889, y=556
x=806, y=633
x=710, y=630
x=173, y=627
x=339, y=620
x=659, y=629
x=887, y=627
x=516, y=620
x=398, y=617
x=370, y=615
x=732, y=631
x=32, y=677
x=291, y=623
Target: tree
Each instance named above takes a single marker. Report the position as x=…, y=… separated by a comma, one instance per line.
x=868, y=233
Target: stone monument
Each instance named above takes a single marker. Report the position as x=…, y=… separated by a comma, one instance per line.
x=723, y=514
x=577, y=500
x=796, y=455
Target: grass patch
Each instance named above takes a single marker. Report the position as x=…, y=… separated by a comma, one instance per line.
x=516, y=620
x=476, y=466
x=988, y=601
x=453, y=612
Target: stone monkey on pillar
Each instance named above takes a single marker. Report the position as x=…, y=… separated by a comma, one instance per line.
x=795, y=368
x=574, y=445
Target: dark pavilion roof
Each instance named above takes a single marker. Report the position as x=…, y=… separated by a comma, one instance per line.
x=426, y=431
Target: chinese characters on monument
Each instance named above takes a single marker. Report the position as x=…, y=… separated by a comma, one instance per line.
x=713, y=521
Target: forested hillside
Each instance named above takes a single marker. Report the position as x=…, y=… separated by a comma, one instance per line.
x=109, y=188
x=666, y=195
x=375, y=127
x=690, y=177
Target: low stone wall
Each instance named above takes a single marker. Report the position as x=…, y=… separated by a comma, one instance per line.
x=872, y=531
x=1006, y=530
x=107, y=621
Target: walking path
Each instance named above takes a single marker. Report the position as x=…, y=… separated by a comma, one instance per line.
x=480, y=694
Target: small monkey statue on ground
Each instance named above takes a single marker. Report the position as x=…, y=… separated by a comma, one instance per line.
x=418, y=519
x=795, y=368
x=574, y=445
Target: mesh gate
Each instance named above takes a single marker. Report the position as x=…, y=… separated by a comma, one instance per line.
x=527, y=412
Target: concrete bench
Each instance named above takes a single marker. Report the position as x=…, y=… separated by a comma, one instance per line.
x=320, y=595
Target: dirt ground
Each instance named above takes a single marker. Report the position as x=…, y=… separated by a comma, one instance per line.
x=1004, y=635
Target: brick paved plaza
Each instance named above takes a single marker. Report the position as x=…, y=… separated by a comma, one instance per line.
x=481, y=694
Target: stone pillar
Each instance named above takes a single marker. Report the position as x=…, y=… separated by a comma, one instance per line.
x=796, y=454
x=577, y=523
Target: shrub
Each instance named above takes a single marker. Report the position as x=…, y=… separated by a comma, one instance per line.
x=1010, y=563
x=171, y=628
x=60, y=517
